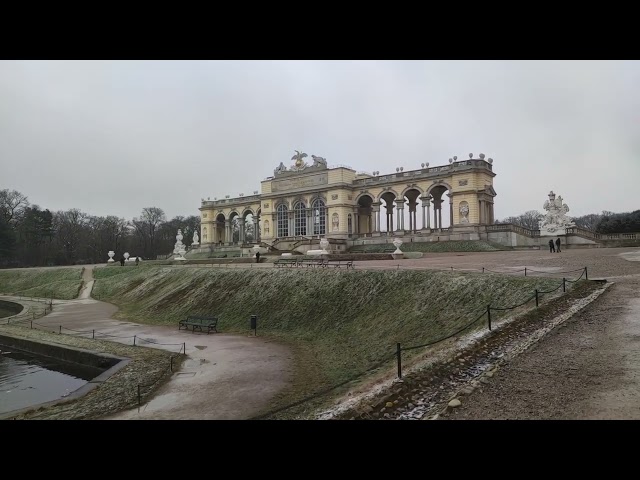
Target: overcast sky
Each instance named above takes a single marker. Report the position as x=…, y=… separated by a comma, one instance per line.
x=112, y=137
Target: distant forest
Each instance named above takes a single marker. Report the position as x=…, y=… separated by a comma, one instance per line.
x=32, y=236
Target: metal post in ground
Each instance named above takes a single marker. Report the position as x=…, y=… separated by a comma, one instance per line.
x=93, y=334
x=31, y=322
x=134, y=340
x=399, y=355
x=139, y=399
x=60, y=331
x=564, y=284
x=482, y=269
x=536, y=298
x=525, y=271
x=171, y=363
x=489, y=315
x=184, y=347
x=586, y=274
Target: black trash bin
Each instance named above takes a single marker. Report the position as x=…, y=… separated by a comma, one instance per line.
x=254, y=322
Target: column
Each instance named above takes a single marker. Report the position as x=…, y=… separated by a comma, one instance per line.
x=290, y=219
x=400, y=220
x=227, y=232
x=450, y=212
x=241, y=231
x=356, y=227
x=481, y=212
x=428, y=202
x=257, y=231
x=440, y=216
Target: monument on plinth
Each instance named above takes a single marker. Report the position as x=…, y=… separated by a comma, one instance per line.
x=111, y=254
x=179, y=248
x=555, y=220
x=196, y=239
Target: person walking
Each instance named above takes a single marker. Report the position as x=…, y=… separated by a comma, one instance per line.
x=137, y=261
x=558, y=244
x=257, y=257
x=122, y=261
x=552, y=249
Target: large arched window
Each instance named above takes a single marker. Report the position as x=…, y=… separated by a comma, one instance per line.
x=283, y=221
x=319, y=214
x=300, y=225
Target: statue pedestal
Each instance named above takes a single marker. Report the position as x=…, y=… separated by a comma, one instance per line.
x=397, y=256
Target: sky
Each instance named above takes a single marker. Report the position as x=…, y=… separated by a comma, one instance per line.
x=112, y=137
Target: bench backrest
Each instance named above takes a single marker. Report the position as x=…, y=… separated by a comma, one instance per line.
x=202, y=319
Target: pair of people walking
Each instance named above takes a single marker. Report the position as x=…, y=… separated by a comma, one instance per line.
x=553, y=248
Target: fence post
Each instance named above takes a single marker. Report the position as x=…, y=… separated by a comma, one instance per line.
x=60, y=331
x=525, y=271
x=482, y=269
x=564, y=284
x=134, y=340
x=171, y=363
x=586, y=274
x=31, y=322
x=536, y=298
x=399, y=355
x=489, y=315
x=138, y=394
x=184, y=347
x=93, y=334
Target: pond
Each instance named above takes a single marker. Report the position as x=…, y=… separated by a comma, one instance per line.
x=27, y=380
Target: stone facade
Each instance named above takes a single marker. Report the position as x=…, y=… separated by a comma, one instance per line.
x=313, y=201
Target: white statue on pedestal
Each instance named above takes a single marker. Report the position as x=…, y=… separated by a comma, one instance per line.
x=555, y=220
x=111, y=254
x=179, y=249
x=126, y=256
x=397, y=242
x=196, y=239
x=324, y=243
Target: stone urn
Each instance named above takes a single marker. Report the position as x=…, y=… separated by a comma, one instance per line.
x=398, y=253
x=324, y=244
x=126, y=256
x=111, y=255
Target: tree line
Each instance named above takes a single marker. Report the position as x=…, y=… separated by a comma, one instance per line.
x=605, y=222
x=32, y=236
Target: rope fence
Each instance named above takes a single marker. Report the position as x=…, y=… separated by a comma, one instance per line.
x=399, y=349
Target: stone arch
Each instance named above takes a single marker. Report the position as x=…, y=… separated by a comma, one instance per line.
x=219, y=235
x=414, y=187
x=410, y=198
x=366, y=194
x=363, y=224
x=439, y=184
x=387, y=200
x=385, y=192
x=437, y=192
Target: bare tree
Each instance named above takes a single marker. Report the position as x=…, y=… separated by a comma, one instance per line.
x=530, y=220
x=147, y=226
x=12, y=203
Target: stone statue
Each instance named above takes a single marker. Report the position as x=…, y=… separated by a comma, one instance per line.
x=281, y=168
x=299, y=162
x=319, y=161
x=196, y=239
x=335, y=221
x=555, y=220
x=179, y=249
x=464, y=212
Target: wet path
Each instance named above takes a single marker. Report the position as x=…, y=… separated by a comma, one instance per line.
x=224, y=377
x=589, y=368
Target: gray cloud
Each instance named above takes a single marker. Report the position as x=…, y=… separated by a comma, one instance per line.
x=112, y=137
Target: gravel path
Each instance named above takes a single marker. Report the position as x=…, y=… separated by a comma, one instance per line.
x=588, y=368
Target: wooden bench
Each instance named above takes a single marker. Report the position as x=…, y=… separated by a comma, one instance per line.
x=199, y=322
x=340, y=263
